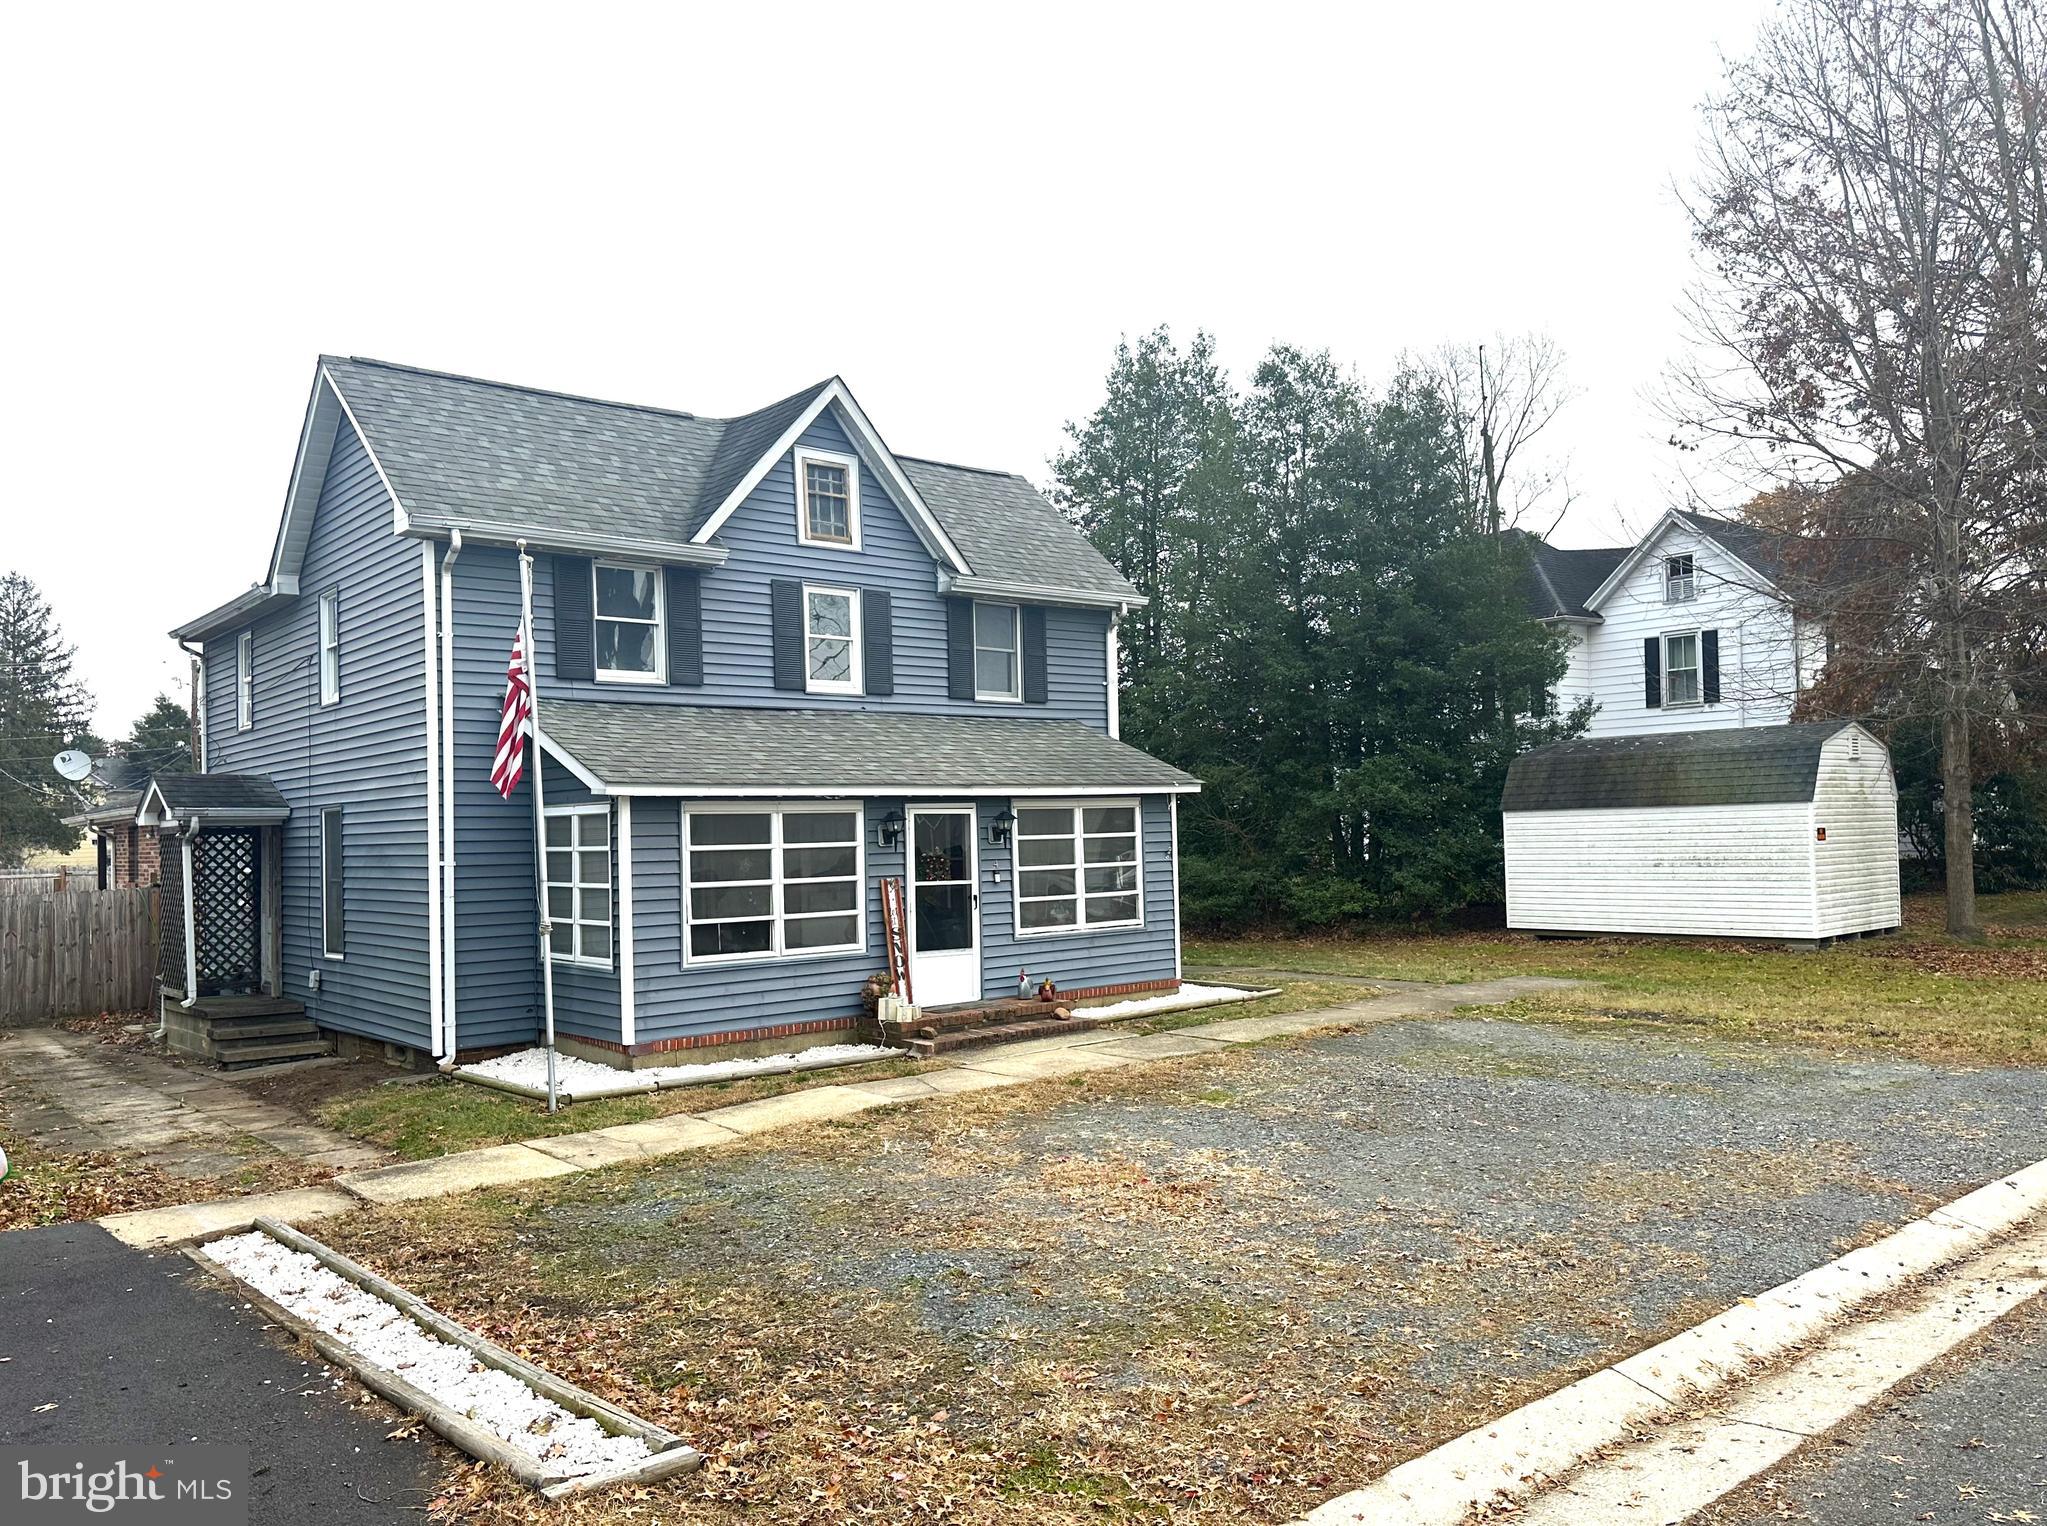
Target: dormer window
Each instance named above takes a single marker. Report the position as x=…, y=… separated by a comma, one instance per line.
x=630, y=648
x=1679, y=581
x=827, y=500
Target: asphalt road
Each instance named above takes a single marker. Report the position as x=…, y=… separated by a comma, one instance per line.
x=1964, y=1440
x=138, y=1349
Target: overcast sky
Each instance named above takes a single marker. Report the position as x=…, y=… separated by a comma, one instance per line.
x=958, y=208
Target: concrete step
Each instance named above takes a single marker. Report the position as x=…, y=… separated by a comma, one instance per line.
x=236, y=1055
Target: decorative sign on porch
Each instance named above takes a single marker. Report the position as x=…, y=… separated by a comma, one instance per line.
x=895, y=935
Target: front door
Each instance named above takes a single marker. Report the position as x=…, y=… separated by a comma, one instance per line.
x=945, y=918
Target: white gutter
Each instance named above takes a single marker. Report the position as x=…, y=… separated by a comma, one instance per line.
x=576, y=543
x=191, y=930
x=446, y=1054
x=429, y=634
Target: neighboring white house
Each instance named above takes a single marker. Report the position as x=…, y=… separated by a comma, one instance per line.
x=1780, y=832
x=1685, y=630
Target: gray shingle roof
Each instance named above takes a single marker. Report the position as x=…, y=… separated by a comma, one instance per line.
x=185, y=793
x=115, y=806
x=1755, y=765
x=1765, y=550
x=1559, y=581
x=488, y=454
x=852, y=752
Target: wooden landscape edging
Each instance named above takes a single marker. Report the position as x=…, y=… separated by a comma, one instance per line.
x=670, y=1454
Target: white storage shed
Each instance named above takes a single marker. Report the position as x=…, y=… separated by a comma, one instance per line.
x=1779, y=832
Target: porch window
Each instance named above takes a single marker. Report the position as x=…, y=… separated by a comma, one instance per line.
x=579, y=883
x=245, y=681
x=997, y=673
x=827, y=500
x=1078, y=866
x=831, y=639
x=629, y=610
x=333, y=932
x=1681, y=668
x=330, y=646
x=1680, y=581
x=772, y=882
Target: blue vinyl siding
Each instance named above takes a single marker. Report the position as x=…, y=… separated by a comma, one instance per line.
x=738, y=647
x=366, y=754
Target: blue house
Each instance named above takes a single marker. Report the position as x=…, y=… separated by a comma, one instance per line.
x=777, y=663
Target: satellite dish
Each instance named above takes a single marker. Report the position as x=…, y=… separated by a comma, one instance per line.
x=73, y=765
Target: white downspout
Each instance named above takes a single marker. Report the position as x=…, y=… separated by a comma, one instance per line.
x=430, y=633
x=1113, y=672
x=448, y=1044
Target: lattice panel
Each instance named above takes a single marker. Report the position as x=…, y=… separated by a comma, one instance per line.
x=170, y=936
x=227, y=903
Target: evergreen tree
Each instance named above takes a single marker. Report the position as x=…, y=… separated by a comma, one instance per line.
x=43, y=710
x=159, y=743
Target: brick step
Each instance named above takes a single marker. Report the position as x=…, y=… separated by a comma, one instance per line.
x=226, y=1029
x=236, y=1055
x=995, y=1033
x=946, y=1019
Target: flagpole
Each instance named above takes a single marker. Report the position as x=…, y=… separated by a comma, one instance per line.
x=539, y=814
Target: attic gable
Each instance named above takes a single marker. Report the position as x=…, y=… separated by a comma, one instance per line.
x=1724, y=534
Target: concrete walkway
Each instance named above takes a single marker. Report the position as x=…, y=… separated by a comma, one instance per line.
x=83, y=1095
x=973, y=1070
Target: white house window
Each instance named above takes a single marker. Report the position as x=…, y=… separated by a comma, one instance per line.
x=1680, y=582
x=333, y=931
x=1681, y=669
x=1078, y=866
x=827, y=499
x=997, y=673
x=772, y=882
x=630, y=648
x=579, y=883
x=245, y=681
x=330, y=647
x=831, y=640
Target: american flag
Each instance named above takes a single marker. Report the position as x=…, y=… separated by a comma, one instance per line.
x=515, y=722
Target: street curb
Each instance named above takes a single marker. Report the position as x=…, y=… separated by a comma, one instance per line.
x=1500, y=1465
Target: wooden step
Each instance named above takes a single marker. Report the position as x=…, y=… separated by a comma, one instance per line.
x=225, y=1030
x=241, y=1054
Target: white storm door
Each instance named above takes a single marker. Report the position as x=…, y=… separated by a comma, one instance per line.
x=945, y=907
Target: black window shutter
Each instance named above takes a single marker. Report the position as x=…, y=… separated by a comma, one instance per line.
x=785, y=604
x=1652, y=672
x=575, y=635
x=685, y=625
x=959, y=648
x=1709, y=666
x=878, y=639
x=1034, y=691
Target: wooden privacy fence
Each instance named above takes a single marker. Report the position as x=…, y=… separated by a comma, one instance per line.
x=73, y=951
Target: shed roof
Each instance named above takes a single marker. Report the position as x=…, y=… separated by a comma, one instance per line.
x=1753, y=765
x=727, y=750
x=233, y=797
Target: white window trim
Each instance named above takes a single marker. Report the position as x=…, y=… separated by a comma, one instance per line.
x=1014, y=695
x=804, y=456
x=245, y=680
x=777, y=809
x=1691, y=580
x=332, y=813
x=1697, y=669
x=330, y=647
x=628, y=675
x=575, y=886
x=852, y=685
x=1016, y=867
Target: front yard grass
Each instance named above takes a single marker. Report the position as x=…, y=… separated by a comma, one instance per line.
x=441, y=1116
x=1917, y=992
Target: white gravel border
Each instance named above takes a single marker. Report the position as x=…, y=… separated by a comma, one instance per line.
x=525, y=1071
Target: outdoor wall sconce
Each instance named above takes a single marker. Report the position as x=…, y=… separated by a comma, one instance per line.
x=888, y=831
x=998, y=829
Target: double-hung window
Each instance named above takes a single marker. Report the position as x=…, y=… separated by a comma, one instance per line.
x=998, y=673
x=330, y=646
x=1078, y=866
x=1680, y=579
x=831, y=640
x=579, y=883
x=1681, y=668
x=827, y=499
x=333, y=930
x=630, y=648
x=245, y=681
x=767, y=882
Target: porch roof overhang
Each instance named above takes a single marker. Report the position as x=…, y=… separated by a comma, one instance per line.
x=744, y=753
x=186, y=802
